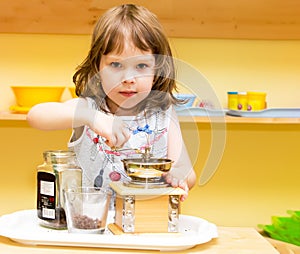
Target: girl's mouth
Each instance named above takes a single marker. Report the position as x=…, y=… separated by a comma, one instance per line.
x=128, y=93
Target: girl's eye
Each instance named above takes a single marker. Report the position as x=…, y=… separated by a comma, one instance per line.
x=116, y=65
x=142, y=66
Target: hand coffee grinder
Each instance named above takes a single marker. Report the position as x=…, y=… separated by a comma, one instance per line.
x=146, y=203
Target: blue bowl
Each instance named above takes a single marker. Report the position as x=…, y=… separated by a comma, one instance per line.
x=190, y=100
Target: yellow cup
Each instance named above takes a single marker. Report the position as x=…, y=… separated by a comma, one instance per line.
x=256, y=101
x=232, y=100
x=242, y=101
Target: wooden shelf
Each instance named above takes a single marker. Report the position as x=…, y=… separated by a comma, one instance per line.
x=256, y=19
x=4, y=115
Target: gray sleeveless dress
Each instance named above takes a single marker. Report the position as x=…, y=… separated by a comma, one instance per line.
x=98, y=161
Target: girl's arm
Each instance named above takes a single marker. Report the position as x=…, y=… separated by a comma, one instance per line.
x=76, y=113
x=56, y=115
x=182, y=173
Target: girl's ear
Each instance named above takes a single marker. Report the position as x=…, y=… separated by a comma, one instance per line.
x=98, y=79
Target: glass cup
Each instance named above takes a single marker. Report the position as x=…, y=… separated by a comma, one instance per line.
x=87, y=209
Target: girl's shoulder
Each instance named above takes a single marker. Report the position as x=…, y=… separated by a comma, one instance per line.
x=92, y=103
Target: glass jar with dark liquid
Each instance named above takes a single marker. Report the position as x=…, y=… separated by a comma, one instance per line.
x=58, y=173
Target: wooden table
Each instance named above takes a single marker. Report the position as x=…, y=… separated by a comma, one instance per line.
x=231, y=240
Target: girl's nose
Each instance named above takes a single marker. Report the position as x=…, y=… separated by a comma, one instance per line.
x=129, y=78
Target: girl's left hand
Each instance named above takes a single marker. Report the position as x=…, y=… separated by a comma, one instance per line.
x=175, y=182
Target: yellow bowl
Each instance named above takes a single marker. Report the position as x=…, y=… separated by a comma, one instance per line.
x=72, y=91
x=28, y=96
x=19, y=110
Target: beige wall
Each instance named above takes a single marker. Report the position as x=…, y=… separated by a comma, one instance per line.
x=243, y=65
x=259, y=171
x=256, y=178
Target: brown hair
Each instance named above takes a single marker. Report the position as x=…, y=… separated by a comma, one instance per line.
x=146, y=34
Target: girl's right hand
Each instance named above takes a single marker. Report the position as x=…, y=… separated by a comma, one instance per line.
x=112, y=128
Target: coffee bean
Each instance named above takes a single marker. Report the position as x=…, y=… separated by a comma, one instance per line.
x=85, y=222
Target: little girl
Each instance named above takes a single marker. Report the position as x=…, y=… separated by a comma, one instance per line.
x=125, y=101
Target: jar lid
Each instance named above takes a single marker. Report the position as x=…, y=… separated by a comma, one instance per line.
x=257, y=93
x=59, y=153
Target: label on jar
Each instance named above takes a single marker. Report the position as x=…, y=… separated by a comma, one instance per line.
x=46, y=196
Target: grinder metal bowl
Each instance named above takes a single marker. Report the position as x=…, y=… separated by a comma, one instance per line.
x=147, y=170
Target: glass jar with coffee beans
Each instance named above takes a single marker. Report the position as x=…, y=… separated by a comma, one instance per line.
x=59, y=172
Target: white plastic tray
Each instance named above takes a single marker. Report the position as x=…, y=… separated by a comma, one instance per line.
x=22, y=227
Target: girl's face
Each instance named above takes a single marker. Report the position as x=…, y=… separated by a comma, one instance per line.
x=127, y=78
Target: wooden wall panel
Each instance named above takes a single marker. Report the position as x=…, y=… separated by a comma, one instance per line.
x=241, y=19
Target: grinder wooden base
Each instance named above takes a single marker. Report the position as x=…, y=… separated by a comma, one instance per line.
x=141, y=210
